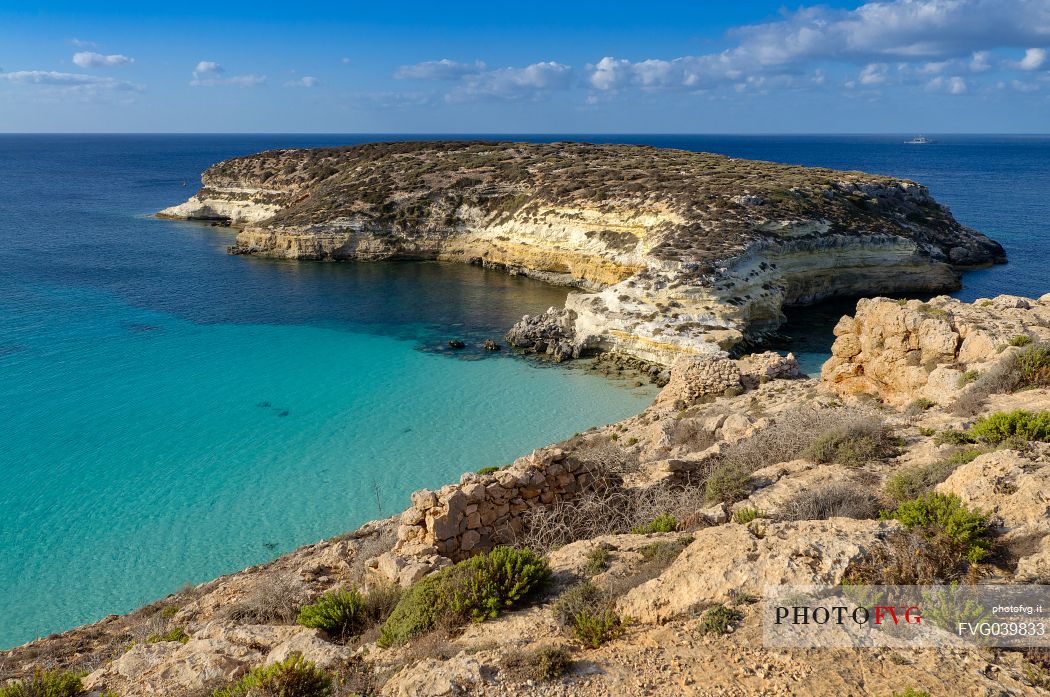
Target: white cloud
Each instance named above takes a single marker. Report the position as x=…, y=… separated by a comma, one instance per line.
x=979, y=62
x=515, y=83
x=1019, y=86
x=211, y=74
x=873, y=74
x=90, y=59
x=923, y=32
x=304, y=81
x=67, y=80
x=207, y=69
x=1033, y=59
x=80, y=43
x=950, y=85
x=443, y=69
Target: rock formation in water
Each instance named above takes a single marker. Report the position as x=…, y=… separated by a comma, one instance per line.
x=741, y=475
x=674, y=252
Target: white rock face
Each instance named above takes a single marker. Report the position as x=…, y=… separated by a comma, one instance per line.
x=728, y=560
x=686, y=253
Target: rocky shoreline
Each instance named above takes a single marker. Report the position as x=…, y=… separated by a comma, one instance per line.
x=675, y=253
x=668, y=525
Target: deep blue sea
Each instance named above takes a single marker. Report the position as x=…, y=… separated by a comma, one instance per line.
x=170, y=413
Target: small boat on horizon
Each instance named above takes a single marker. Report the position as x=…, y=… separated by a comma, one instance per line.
x=920, y=140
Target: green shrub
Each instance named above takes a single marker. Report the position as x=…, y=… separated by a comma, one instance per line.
x=728, y=482
x=719, y=620
x=966, y=378
x=963, y=456
x=176, y=634
x=340, y=613
x=924, y=431
x=485, y=585
x=1003, y=425
x=920, y=405
x=1033, y=366
x=492, y=469
x=661, y=523
x=542, y=664
x=45, y=683
x=475, y=589
x=911, y=691
x=951, y=436
x=169, y=611
x=853, y=444
x=292, y=677
x=596, y=628
x=597, y=559
x=586, y=612
x=943, y=520
x=915, y=481
x=1020, y=340
x=746, y=515
x=416, y=613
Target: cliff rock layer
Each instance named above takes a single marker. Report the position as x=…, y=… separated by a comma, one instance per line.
x=682, y=252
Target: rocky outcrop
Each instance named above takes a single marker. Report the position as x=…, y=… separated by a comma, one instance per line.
x=550, y=334
x=1014, y=489
x=694, y=379
x=687, y=253
x=730, y=560
x=905, y=350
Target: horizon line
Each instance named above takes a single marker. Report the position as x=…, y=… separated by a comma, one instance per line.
x=514, y=133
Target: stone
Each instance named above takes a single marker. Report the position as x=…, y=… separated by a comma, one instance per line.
x=424, y=499
x=728, y=560
x=433, y=678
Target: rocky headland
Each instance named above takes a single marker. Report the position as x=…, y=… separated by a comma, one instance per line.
x=652, y=540
x=674, y=252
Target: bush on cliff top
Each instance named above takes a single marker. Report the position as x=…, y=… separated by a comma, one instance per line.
x=292, y=677
x=340, y=613
x=49, y=683
x=1004, y=425
x=475, y=589
x=846, y=436
x=943, y=520
x=853, y=443
x=586, y=612
x=912, y=482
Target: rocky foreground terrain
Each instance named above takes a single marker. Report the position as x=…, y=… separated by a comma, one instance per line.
x=685, y=253
x=651, y=541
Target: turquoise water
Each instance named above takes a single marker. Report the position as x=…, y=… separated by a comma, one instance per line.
x=171, y=413
x=142, y=451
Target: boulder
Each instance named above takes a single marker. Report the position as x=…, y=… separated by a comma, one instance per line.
x=727, y=560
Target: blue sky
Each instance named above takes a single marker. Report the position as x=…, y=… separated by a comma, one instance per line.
x=899, y=66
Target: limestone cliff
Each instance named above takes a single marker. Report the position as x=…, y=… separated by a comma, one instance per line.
x=684, y=252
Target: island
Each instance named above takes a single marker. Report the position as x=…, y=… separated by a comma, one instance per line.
x=674, y=252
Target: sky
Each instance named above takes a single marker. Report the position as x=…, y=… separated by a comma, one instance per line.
x=900, y=66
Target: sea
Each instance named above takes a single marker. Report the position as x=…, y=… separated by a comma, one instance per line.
x=170, y=413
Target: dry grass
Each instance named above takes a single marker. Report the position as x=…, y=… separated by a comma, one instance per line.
x=273, y=598
x=606, y=511
x=836, y=500
x=849, y=436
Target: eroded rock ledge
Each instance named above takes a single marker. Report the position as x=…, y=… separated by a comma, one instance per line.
x=685, y=253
